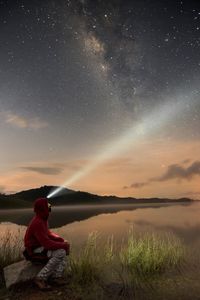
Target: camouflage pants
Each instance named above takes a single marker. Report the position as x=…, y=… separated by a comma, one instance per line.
x=55, y=266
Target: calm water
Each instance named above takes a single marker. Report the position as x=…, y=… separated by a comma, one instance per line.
x=76, y=222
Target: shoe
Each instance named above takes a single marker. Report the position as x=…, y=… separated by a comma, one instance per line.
x=59, y=281
x=42, y=284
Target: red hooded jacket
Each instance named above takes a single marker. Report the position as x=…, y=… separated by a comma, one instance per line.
x=38, y=234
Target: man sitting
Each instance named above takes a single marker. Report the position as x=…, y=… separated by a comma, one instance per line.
x=45, y=246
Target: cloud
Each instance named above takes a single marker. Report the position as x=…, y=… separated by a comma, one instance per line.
x=186, y=161
x=136, y=185
x=23, y=122
x=179, y=172
x=44, y=170
x=174, y=171
x=54, y=168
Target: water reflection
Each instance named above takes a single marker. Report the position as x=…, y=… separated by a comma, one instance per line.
x=75, y=223
x=62, y=215
x=183, y=221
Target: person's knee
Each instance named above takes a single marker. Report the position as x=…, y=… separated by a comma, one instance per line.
x=60, y=253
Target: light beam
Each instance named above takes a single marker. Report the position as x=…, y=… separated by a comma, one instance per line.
x=160, y=117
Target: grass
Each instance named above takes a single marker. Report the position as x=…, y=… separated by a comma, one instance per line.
x=151, y=254
x=104, y=268
x=10, y=251
x=10, y=248
x=85, y=266
x=91, y=263
x=145, y=260
x=135, y=265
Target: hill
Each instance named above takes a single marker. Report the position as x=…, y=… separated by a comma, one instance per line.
x=70, y=197
x=11, y=202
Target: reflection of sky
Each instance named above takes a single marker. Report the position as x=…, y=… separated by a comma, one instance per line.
x=183, y=221
x=75, y=76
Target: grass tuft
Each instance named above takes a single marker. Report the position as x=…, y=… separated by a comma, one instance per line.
x=85, y=266
x=146, y=258
x=10, y=248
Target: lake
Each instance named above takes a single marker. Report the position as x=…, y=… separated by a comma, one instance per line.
x=76, y=222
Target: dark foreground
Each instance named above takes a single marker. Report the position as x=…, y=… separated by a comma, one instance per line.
x=175, y=288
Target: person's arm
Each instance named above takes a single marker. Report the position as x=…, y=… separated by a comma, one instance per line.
x=41, y=234
x=55, y=237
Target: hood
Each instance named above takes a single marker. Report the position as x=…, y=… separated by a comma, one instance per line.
x=41, y=208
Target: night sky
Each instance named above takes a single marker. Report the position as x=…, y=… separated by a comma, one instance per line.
x=108, y=90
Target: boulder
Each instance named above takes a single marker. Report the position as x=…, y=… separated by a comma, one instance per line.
x=20, y=272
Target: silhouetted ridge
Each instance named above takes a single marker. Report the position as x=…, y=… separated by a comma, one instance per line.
x=70, y=197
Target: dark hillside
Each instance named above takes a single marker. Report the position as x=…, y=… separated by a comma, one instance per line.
x=70, y=197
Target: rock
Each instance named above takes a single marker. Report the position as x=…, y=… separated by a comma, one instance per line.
x=20, y=272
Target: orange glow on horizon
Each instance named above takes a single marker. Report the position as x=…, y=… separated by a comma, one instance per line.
x=151, y=159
